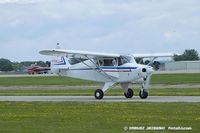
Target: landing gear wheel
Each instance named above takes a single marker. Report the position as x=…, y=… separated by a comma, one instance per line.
x=98, y=94
x=129, y=93
x=143, y=94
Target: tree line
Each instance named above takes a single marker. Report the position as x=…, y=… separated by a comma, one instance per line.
x=7, y=65
x=188, y=55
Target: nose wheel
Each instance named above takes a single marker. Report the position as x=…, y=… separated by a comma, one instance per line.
x=143, y=94
x=98, y=94
x=129, y=93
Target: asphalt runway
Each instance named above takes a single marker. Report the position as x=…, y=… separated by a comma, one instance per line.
x=166, y=99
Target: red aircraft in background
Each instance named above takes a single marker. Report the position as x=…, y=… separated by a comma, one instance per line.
x=35, y=69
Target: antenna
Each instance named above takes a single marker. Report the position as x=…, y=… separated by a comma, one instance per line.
x=57, y=46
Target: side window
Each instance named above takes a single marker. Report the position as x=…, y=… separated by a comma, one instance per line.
x=119, y=60
x=107, y=62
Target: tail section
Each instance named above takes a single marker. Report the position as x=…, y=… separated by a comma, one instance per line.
x=59, y=63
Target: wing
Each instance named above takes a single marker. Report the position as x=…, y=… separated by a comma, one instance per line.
x=77, y=54
x=154, y=55
x=81, y=55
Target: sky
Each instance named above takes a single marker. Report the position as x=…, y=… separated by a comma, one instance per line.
x=113, y=26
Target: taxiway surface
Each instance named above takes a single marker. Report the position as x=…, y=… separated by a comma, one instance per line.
x=105, y=99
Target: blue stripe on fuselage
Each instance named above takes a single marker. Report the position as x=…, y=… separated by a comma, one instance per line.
x=118, y=67
x=107, y=68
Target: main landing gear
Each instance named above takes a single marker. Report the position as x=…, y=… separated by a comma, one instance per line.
x=129, y=93
x=98, y=94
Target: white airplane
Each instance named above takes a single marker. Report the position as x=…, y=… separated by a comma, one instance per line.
x=110, y=69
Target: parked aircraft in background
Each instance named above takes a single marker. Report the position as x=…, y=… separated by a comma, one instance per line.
x=35, y=69
x=111, y=69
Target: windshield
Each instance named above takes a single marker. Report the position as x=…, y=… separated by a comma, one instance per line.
x=126, y=59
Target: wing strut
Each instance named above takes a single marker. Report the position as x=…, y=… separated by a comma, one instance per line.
x=99, y=68
x=105, y=74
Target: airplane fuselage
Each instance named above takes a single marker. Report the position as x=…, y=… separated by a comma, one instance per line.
x=128, y=72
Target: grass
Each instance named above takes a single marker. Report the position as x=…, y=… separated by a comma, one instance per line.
x=189, y=78
x=46, y=80
x=75, y=117
x=90, y=92
x=62, y=117
x=56, y=80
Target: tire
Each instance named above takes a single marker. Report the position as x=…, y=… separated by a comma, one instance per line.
x=98, y=94
x=129, y=93
x=143, y=94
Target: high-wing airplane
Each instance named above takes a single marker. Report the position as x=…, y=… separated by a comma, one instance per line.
x=110, y=69
x=35, y=69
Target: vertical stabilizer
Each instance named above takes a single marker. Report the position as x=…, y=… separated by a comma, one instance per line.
x=59, y=63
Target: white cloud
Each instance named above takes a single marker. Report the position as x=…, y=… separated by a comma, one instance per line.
x=171, y=35
x=98, y=25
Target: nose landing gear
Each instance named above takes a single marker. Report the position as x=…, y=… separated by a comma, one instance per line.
x=143, y=94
